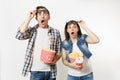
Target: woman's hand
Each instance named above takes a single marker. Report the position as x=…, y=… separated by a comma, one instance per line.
x=75, y=66
x=82, y=24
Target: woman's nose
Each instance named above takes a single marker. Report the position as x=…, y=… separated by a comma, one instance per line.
x=72, y=28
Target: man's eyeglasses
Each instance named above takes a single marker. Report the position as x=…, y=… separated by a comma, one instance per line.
x=44, y=11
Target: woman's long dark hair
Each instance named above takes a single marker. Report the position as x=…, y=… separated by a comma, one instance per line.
x=67, y=36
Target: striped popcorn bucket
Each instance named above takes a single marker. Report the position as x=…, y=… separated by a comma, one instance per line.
x=47, y=55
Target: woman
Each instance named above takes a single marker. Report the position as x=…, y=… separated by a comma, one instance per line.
x=75, y=44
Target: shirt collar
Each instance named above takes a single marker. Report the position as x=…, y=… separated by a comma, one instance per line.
x=49, y=28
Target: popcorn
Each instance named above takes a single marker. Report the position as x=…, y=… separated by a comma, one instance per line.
x=76, y=57
x=47, y=55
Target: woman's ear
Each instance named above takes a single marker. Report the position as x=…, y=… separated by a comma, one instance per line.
x=67, y=30
x=36, y=17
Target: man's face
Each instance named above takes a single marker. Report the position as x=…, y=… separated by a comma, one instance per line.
x=42, y=16
x=42, y=10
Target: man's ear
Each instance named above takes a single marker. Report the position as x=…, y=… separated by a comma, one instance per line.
x=49, y=17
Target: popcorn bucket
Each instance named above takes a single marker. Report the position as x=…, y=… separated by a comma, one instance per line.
x=79, y=61
x=72, y=60
x=47, y=55
x=76, y=57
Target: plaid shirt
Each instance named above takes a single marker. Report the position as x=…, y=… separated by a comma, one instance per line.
x=30, y=34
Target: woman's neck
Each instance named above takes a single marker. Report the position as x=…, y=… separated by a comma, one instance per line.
x=74, y=39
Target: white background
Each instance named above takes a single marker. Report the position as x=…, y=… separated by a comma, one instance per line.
x=101, y=16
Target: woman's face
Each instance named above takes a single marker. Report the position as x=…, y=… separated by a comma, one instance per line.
x=72, y=30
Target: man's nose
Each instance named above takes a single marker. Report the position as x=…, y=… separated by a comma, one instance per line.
x=42, y=14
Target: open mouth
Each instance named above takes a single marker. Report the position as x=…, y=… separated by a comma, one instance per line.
x=72, y=32
x=42, y=21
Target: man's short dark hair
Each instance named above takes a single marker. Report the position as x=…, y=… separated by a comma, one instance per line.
x=42, y=7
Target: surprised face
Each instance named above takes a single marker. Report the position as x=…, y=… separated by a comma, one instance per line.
x=72, y=30
x=42, y=17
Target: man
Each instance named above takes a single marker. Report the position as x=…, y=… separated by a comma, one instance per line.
x=40, y=36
